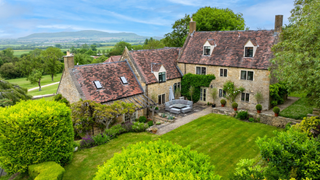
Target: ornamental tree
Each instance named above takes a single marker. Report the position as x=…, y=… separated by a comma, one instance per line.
x=297, y=55
x=231, y=91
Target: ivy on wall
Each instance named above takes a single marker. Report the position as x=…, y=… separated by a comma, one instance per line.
x=196, y=81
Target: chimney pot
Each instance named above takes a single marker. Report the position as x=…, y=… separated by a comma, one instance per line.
x=68, y=53
x=68, y=61
x=278, y=23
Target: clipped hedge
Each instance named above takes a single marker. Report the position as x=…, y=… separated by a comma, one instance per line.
x=157, y=160
x=33, y=132
x=196, y=81
x=46, y=171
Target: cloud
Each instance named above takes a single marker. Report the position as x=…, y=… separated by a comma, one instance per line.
x=8, y=11
x=75, y=28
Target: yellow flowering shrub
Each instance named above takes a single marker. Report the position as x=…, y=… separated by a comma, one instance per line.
x=33, y=132
x=309, y=123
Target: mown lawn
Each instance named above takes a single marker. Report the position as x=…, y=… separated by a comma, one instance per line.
x=44, y=90
x=298, y=110
x=225, y=139
x=46, y=79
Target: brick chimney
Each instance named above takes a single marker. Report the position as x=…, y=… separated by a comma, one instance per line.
x=192, y=26
x=278, y=23
x=68, y=60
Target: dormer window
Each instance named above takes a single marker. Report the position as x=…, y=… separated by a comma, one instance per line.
x=97, y=84
x=250, y=48
x=206, y=50
x=124, y=80
x=249, y=52
x=162, y=77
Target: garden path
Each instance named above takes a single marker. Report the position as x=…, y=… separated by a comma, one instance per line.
x=32, y=89
x=183, y=120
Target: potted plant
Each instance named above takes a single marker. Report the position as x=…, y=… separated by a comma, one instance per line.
x=235, y=106
x=213, y=94
x=276, y=111
x=157, y=109
x=259, y=108
x=223, y=102
x=154, y=130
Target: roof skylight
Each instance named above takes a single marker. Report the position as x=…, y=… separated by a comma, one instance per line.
x=98, y=84
x=124, y=80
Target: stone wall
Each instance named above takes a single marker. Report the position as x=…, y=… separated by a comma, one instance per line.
x=67, y=87
x=161, y=88
x=260, y=83
x=264, y=118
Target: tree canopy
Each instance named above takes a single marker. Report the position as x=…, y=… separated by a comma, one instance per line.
x=297, y=55
x=51, y=58
x=207, y=19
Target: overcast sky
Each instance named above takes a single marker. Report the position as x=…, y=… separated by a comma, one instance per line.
x=148, y=18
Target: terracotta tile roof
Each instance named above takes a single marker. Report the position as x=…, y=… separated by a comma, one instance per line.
x=156, y=66
x=109, y=76
x=113, y=58
x=166, y=56
x=230, y=49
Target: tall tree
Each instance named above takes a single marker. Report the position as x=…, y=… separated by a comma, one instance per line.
x=93, y=47
x=208, y=19
x=58, y=46
x=215, y=19
x=297, y=55
x=119, y=48
x=51, y=58
x=32, y=67
x=153, y=44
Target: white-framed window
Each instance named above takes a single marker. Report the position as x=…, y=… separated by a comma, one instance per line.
x=222, y=93
x=128, y=117
x=246, y=75
x=162, y=77
x=203, y=94
x=176, y=86
x=223, y=72
x=245, y=97
x=161, y=98
x=206, y=50
x=201, y=70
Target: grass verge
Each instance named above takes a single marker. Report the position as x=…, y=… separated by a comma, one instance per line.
x=46, y=79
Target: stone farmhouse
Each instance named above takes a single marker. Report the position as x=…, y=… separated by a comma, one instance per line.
x=143, y=77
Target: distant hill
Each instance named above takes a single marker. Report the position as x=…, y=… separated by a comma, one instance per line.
x=87, y=34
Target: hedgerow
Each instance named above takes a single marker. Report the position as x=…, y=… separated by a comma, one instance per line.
x=157, y=160
x=33, y=132
x=196, y=81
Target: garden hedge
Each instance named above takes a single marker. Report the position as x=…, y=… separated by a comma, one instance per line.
x=33, y=132
x=157, y=160
x=12, y=92
x=46, y=171
x=196, y=81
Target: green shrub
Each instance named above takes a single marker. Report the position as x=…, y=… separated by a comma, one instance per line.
x=46, y=171
x=75, y=144
x=291, y=152
x=156, y=108
x=196, y=81
x=288, y=126
x=251, y=119
x=142, y=119
x=100, y=139
x=33, y=132
x=223, y=101
x=277, y=93
x=114, y=131
x=242, y=115
x=157, y=160
x=61, y=99
x=276, y=110
x=6, y=102
x=150, y=123
x=234, y=105
x=309, y=123
x=158, y=123
x=139, y=127
x=246, y=169
x=13, y=92
x=259, y=107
